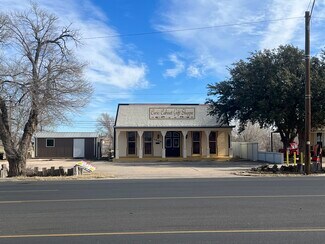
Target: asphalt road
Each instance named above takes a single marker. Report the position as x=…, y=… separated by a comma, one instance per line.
x=236, y=210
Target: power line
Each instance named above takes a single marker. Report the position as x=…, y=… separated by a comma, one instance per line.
x=309, y=4
x=190, y=29
x=156, y=94
x=312, y=8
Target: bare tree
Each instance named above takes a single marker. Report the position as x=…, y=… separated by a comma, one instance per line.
x=105, y=126
x=254, y=133
x=3, y=32
x=39, y=77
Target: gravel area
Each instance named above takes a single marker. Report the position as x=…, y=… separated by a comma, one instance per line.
x=150, y=170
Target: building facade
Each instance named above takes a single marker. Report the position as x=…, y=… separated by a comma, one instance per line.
x=169, y=130
x=317, y=139
x=67, y=145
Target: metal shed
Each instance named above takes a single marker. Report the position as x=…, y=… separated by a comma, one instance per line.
x=67, y=145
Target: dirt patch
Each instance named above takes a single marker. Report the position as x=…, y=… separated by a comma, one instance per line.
x=145, y=170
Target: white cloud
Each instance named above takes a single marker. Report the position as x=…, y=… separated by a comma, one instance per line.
x=282, y=32
x=210, y=48
x=106, y=65
x=209, y=51
x=179, y=66
x=193, y=71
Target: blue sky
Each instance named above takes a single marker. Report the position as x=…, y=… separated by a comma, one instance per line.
x=172, y=66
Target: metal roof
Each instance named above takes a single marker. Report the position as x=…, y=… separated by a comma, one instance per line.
x=66, y=135
x=143, y=115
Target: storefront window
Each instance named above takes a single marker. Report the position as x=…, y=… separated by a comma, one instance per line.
x=147, y=142
x=132, y=142
x=196, y=137
x=213, y=142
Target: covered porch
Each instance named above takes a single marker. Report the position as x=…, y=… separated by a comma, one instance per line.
x=171, y=143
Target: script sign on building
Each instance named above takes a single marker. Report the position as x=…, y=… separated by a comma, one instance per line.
x=172, y=113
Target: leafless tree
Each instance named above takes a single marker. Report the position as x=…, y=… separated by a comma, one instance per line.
x=3, y=32
x=39, y=77
x=105, y=126
x=254, y=133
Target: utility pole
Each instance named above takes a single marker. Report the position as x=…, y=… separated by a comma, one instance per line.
x=307, y=93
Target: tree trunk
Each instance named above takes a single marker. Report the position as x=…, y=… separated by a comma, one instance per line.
x=17, y=166
x=302, y=142
x=17, y=155
x=285, y=140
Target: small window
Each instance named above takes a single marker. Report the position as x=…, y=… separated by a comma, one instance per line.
x=176, y=142
x=50, y=143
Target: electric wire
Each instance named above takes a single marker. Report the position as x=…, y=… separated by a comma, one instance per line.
x=312, y=8
x=309, y=5
x=191, y=29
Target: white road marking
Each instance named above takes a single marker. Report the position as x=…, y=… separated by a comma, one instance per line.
x=157, y=198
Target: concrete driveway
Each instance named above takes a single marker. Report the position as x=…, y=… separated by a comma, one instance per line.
x=154, y=170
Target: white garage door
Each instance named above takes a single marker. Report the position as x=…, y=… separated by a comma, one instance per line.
x=78, y=148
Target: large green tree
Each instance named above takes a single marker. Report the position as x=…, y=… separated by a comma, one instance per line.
x=269, y=88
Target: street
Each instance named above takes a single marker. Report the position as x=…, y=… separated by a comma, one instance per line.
x=228, y=210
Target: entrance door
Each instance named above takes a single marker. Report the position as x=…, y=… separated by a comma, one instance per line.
x=172, y=144
x=78, y=148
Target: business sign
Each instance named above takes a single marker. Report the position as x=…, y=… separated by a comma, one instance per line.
x=172, y=113
x=86, y=166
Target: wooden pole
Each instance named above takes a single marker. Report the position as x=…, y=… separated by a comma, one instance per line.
x=307, y=93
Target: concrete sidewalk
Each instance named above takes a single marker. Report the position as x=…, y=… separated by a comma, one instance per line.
x=153, y=170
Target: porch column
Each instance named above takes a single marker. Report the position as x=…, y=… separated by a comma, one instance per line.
x=140, y=153
x=184, y=132
x=207, y=134
x=117, y=151
x=163, y=150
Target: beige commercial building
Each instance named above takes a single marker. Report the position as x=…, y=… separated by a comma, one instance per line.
x=169, y=130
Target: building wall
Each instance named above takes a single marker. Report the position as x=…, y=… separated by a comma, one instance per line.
x=222, y=143
x=63, y=148
x=90, y=144
x=313, y=138
x=122, y=143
